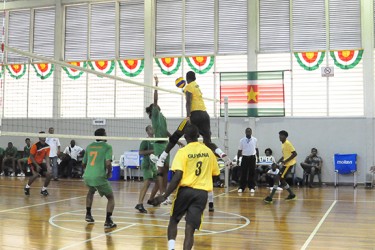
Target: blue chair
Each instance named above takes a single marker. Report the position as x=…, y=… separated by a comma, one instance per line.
x=345, y=164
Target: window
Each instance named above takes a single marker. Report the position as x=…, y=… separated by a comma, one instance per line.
x=44, y=32
x=76, y=30
x=19, y=35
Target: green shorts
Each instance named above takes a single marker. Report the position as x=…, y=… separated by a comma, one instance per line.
x=159, y=148
x=104, y=189
x=149, y=172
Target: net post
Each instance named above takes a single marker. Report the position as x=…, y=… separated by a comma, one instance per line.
x=226, y=139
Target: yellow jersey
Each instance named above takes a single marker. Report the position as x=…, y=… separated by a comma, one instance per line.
x=198, y=164
x=197, y=102
x=287, y=149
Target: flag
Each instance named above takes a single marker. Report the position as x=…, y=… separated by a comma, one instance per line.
x=253, y=94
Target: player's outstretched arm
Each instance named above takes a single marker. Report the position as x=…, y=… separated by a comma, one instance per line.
x=156, y=91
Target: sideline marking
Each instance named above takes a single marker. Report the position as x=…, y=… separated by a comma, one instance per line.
x=318, y=226
x=41, y=204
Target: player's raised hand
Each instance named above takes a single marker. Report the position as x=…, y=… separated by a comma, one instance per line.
x=156, y=80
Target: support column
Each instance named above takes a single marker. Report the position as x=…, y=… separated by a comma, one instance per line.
x=58, y=55
x=149, y=49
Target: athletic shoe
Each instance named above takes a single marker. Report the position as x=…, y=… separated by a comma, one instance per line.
x=21, y=175
x=291, y=197
x=211, y=207
x=252, y=190
x=167, y=201
x=27, y=191
x=154, y=158
x=12, y=175
x=2, y=174
x=240, y=190
x=109, y=224
x=268, y=200
x=141, y=209
x=89, y=218
x=160, y=162
x=44, y=193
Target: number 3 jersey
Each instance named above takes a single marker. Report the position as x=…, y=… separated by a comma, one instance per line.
x=97, y=153
x=198, y=164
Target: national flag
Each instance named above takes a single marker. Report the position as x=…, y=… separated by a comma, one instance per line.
x=253, y=94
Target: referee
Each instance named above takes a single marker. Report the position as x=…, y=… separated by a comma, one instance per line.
x=194, y=165
x=248, y=149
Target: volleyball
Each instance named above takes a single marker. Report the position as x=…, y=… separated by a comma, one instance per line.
x=180, y=82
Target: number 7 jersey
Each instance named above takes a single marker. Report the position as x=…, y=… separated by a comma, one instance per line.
x=97, y=153
x=198, y=164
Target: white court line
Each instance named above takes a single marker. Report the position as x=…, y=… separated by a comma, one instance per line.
x=96, y=237
x=312, y=235
x=41, y=204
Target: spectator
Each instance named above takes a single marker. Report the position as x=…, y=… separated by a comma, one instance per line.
x=312, y=165
x=149, y=170
x=249, y=151
x=21, y=162
x=70, y=158
x=264, y=164
x=54, y=144
x=10, y=155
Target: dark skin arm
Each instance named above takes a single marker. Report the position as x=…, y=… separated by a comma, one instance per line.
x=108, y=165
x=171, y=187
x=156, y=91
x=189, y=96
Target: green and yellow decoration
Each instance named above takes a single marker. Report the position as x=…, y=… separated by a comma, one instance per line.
x=200, y=64
x=131, y=68
x=346, y=59
x=168, y=65
x=74, y=73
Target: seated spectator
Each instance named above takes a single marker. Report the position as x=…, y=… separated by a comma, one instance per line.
x=235, y=170
x=264, y=164
x=70, y=157
x=10, y=155
x=312, y=165
x=21, y=162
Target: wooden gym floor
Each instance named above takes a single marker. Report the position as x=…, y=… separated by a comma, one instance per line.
x=321, y=218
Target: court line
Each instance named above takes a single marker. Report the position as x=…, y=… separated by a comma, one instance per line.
x=312, y=235
x=96, y=237
x=41, y=204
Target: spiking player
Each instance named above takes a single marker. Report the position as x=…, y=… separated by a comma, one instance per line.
x=196, y=114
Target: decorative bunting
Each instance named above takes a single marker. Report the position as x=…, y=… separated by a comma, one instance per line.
x=105, y=67
x=73, y=73
x=16, y=71
x=310, y=60
x=168, y=65
x=200, y=64
x=2, y=70
x=43, y=70
x=346, y=59
x=131, y=68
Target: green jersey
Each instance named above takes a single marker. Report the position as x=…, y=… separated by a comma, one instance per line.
x=146, y=145
x=2, y=151
x=12, y=152
x=26, y=151
x=97, y=153
x=159, y=123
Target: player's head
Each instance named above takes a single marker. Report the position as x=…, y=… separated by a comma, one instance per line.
x=27, y=141
x=150, y=131
x=248, y=132
x=72, y=143
x=42, y=139
x=191, y=133
x=314, y=151
x=268, y=152
x=149, y=109
x=283, y=135
x=100, y=132
x=51, y=130
x=10, y=144
x=190, y=76
x=274, y=166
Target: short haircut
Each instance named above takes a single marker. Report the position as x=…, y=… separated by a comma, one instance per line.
x=100, y=132
x=27, y=139
x=191, y=131
x=190, y=76
x=147, y=127
x=314, y=149
x=283, y=132
x=42, y=132
x=149, y=109
x=269, y=150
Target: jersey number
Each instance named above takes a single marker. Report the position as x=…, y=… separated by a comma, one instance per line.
x=94, y=154
x=198, y=169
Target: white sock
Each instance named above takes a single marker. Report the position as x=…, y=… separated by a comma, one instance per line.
x=164, y=155
x=44, y=188
x=27, y=186
x=211, y=196
x=171, y=244
x=219, y=152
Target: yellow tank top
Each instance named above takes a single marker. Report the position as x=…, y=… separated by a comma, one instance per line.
x=197, y=102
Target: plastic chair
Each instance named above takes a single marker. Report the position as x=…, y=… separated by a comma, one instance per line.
x=345, y=164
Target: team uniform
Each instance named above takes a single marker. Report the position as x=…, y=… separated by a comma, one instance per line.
x=26, y=153
x=95, y=177
x=198, y=164
x=39, y=152
x=287, y=149
x=159, y=123
x=148, y=167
